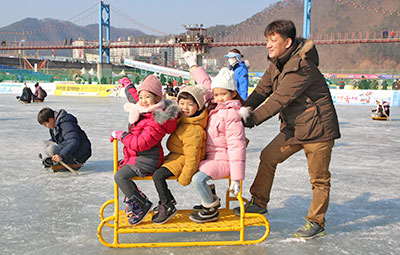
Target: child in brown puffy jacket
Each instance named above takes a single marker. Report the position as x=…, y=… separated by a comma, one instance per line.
x=187, y=148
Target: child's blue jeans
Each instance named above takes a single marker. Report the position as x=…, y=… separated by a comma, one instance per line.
x=199, y=181
x=50, y=148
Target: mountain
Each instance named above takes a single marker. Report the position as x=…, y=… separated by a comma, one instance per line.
x=327, y=16
x=57, y=30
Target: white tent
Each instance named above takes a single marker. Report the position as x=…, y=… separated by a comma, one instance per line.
x=83, y=71
x=92, y=72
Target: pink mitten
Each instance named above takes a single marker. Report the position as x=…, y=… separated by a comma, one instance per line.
x=116, y=134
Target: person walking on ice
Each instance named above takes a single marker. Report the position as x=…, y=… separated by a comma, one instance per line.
x=297, y=90
x=241, y=72
x=150, y=119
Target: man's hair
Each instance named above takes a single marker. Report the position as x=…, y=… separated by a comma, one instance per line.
x=186, y=95
x=236, y=51
x=44, y=115
x=285, y=28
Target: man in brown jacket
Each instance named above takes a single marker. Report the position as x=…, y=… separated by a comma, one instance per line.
x=296, y=90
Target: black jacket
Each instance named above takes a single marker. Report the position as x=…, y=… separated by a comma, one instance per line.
x=26, y=95
x=67, y=133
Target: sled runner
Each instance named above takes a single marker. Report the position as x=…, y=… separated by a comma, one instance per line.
x=63, y=168
x=382, y=111
x=379, y=118
x=227, y=222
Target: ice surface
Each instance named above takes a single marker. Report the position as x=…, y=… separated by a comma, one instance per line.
x=57, y=213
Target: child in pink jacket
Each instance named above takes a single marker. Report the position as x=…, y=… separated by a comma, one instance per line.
x=150, y=119
x=226, y=142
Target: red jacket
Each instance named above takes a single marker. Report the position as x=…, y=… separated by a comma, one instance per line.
x=142, y=145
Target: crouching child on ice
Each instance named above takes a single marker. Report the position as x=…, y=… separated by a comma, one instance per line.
x=150, y=119
x=68, y=142
x=382, y=109
x=187, y=148
x=26, y=96
x=226, y=142
x=40, y=93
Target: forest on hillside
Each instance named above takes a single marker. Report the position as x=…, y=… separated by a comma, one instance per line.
x=327, y=17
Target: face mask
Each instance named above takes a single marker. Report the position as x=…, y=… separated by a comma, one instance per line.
x=232, y=61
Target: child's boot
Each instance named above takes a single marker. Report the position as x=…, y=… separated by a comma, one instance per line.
x=172, y=199
x=132, y=207
x=165, y=212
x=198, y=208
x=144, y=206
x=208, y=213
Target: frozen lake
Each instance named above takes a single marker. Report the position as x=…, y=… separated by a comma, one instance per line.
x=57, y=213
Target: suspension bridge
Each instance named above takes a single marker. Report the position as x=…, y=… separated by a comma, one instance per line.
x=189, y=41
x=59, y=45
x=164, y=41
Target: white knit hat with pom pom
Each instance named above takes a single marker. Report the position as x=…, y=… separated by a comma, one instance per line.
x=224, y=80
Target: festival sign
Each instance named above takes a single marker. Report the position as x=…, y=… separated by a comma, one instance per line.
x=351, y=76
x=390, y=76
x=87, y=90
x=364, y=97
x=256, y=74
x=11, y=88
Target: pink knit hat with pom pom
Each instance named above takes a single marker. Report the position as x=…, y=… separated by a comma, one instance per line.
x=152, y=84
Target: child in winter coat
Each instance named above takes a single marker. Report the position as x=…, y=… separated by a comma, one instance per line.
x=130, y=90
x=26, y=96
x=151, y=118
x=187, y=148
x=382, y=109
x=226, y=142
x=40, y=93
x=68, y=142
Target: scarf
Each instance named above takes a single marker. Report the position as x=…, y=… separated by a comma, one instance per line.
x=135, y=109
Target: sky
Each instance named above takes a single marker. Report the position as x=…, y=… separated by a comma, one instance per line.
x=162, y=15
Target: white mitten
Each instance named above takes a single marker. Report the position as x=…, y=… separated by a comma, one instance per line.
x=190, y=58
x=235, y=187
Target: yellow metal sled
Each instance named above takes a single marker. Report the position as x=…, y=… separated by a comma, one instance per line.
x=227, y=222
x=374, y=117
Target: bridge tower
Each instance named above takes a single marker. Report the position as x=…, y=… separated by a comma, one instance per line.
x=104, y=23
x=306, y=18
x=104, y=69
